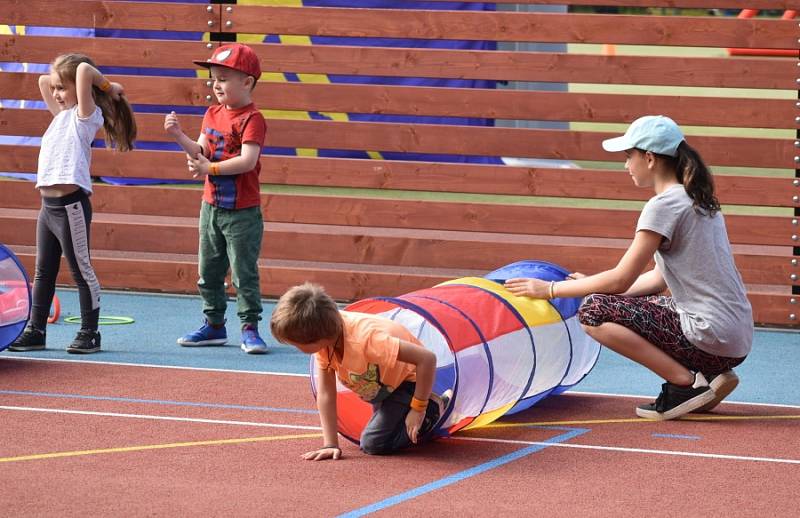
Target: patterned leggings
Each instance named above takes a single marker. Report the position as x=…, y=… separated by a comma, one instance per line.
x=655, y=319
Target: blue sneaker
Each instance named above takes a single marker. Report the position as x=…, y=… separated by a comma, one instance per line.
x=251, y=341
x=206, y=335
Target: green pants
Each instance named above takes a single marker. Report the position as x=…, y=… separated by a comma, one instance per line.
x=230, y=238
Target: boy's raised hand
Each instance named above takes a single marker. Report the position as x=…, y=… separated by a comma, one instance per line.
x=330, y=452
x=171, y=124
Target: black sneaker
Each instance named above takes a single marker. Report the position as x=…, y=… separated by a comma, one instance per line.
x=30, y=340
x=722, y=384
x=85, y=342
x=432, y=417
x=675, y=401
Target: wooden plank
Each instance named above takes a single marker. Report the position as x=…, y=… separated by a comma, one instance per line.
x=523, y=105
x=111, y=15
x=499, y=179
x=418, y=176
x=181, y=91
x=460, y=140
x=702, y=4
x=394, y=213
x=455, y=102
x=497, y=65
x=179, y=276
x=513, y=26
x=774, y=309
x=120, y=52
x=530, y=66
x=377, y=246
x=508, y=142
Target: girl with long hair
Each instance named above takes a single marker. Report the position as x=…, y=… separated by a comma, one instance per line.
x=693, y=338
x=81, y=101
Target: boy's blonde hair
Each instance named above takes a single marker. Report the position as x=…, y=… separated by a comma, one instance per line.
x=305, y=314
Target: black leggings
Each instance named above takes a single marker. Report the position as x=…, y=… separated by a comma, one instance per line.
x=655, y=319
x=63, y=227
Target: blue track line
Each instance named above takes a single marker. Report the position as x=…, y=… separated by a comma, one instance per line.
x=158, y=402
x=462, y=475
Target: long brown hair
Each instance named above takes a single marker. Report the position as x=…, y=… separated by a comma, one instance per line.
x=696, y=178
x=118, y=120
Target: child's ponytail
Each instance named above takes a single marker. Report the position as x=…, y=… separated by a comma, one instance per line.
x=696, y=178
x=118, y=120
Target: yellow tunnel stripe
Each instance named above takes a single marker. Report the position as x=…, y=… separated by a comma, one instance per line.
x=536, y=312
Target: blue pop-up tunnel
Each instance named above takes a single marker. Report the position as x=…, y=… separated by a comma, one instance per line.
x=15, y=297
x=499, y=353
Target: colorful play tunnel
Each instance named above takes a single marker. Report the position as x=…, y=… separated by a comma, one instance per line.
x=499, y=353
x=15, y=297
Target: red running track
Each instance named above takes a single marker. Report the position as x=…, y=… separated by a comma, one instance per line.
x=97, y=440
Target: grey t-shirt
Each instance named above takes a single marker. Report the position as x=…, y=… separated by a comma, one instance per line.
x=696, y=261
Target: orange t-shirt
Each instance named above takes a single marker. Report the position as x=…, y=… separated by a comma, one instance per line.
x=369, y=365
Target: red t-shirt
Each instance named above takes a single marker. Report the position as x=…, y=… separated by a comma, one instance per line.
x=226, y=130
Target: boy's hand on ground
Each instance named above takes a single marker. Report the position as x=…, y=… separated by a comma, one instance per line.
x=413, y=424
x=171, y=124
x=334, y=453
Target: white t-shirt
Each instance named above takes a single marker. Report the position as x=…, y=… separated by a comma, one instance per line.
x=697, y=264
x=66, y=153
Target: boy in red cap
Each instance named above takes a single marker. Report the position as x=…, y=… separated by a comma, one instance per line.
x=231, y=225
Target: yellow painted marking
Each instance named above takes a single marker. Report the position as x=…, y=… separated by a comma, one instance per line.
x=126, y=449
x=641, y=420
x=487, y=417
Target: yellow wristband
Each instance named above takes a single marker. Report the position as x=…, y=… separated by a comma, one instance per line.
x=105, y=85
x=419, y=405
x=214, y=168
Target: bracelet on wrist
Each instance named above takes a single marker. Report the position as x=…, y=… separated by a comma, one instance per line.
x=551, y=290
x=105, y=85
x=333, y=447
x=420, y=405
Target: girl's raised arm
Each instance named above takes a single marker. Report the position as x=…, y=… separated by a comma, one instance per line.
x=46, y=89
x=87, y=76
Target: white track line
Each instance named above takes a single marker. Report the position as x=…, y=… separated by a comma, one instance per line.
x=634, y=396
x=632, y=450
x=295, y=375
x=152, y=366
x=159, y=417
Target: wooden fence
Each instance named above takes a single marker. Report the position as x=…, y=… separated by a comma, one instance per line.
x=406, y=229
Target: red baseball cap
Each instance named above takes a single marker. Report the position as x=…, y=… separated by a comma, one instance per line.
x=234, y=56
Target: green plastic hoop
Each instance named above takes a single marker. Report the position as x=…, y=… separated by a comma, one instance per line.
x=104, y=320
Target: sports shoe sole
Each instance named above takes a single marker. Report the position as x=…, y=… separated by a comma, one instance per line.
x=684, y=408
x=722, y=386
x=254, y=350
x=83, y=351
x=25, y=348
x=218, y=341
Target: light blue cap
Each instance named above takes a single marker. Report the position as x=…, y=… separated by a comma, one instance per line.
x=654, y=133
